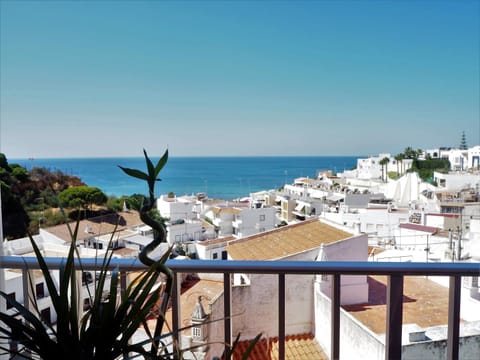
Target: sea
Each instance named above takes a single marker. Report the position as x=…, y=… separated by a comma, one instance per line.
x=218, y=177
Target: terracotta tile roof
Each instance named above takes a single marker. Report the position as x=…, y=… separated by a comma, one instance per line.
x=297, y=347
x=98, y=225
x=285, y=241
x=424, y=303
x=190, y=291
x=230, y=210
x=373, y=250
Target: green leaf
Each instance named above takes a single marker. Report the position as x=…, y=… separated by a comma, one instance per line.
x=135, y=173
x=250, y=347
x=161, y=163
x=150, y=168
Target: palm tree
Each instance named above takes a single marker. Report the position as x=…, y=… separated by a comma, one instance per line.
x=384, y=162
x=409, y=153
x=418, y=153
x=399, y=159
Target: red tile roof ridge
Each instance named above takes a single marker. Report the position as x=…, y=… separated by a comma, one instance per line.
x=297, y=346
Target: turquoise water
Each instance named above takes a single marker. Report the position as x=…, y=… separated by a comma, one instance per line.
x=219, y=177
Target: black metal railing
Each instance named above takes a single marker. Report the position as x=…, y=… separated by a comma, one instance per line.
x=395, y=271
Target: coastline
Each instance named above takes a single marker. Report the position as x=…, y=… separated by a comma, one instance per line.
x=219, y=177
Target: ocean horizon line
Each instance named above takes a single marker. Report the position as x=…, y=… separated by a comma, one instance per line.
x=183, y=156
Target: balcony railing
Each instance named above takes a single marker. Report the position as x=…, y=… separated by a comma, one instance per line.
x=395, y=272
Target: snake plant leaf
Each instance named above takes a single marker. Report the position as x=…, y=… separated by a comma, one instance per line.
x=135, y=173
x=32, y=328
x=150, y=167
x=161, y=163
x=250, y=347
x=52, y=289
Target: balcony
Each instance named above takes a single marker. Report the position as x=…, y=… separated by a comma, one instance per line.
x=395, y=272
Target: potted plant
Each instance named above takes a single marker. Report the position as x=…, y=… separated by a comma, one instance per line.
x=105, y=331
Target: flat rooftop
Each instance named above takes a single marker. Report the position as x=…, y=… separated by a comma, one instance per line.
x=425, y=303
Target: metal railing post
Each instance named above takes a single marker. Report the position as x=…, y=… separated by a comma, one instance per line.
x=281, y=316
x=27, y=291
x=335, y=318
x=393, y=336
x=454, y=292
x=227, y=311
x=176, y=291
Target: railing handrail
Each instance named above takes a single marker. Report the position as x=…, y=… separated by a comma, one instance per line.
x=394, y=270
x=265, y=267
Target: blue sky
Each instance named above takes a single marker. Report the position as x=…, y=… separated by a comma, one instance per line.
x=110, y=78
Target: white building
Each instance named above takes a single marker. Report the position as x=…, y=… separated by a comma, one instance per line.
x=181, y=231
x=176, y=208
x=14, y=278
x=457, y=181
x=241, y=219
x=370, y=168
x=458, y=159
x=213, y=249
x=473, y=158
x=251, y=221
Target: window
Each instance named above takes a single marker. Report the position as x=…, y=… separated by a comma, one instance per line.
x=40, y=291
x=86, y=304
x=196, y=332
x=86, y=278
x=178, y=238
x=45, y=315
x=10, y=296
x=215, y=256
x=262, y=217
x=224, y=255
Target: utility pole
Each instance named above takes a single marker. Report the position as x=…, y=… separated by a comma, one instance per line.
x=460, y=232
x=459, y=244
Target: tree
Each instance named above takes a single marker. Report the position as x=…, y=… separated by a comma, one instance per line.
x=384, y=162
x=399, y=159
x=82, y=197
x=20, y=173
x=4, y=162
x=410, y=153
x=463, y=142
